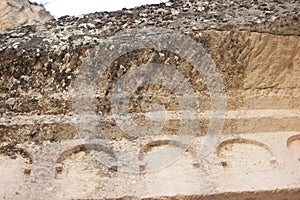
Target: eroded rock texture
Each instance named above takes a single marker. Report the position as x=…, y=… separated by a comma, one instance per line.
x=256, y=49
x=15, y=13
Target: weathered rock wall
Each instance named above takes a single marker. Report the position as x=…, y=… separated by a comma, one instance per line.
x=15, y=13
x=255, y=46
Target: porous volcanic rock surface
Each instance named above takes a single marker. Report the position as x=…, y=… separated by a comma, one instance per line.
x=15, y=13
x=255, y=47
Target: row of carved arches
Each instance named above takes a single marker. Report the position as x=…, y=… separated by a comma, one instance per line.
x=247, y=149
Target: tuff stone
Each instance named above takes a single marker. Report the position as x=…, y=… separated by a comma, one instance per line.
x=15, y=13
x=255, y=46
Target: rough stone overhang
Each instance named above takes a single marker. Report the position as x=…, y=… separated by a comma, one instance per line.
x=15, y=13
x=256, y=49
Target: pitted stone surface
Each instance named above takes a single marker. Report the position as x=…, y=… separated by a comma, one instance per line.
x=256, y=48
